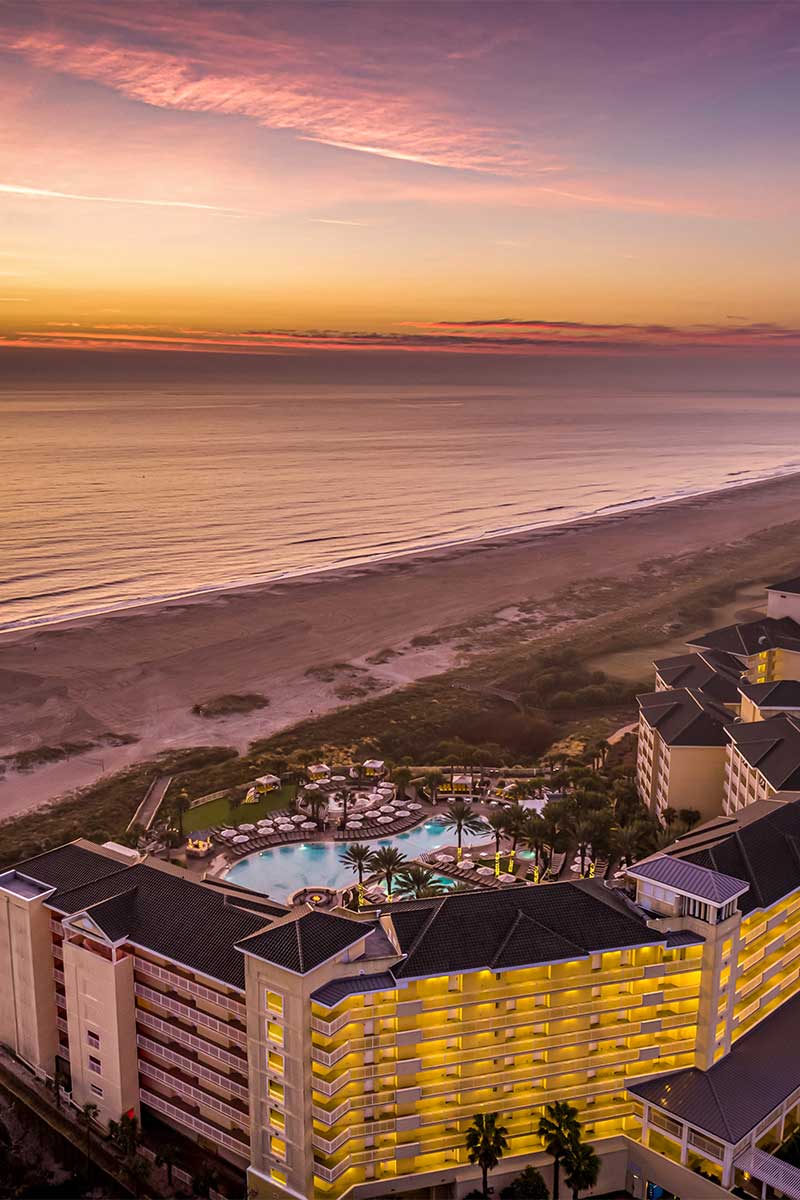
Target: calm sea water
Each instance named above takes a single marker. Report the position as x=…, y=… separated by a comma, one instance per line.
x=109, y=497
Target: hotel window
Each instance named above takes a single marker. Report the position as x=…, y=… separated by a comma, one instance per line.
x=274, y=1001
x=277, y=1146
x=275, y=1062
x=93, y=1039
x=97, y=1091
x=274, y=1033
x=95, y=1065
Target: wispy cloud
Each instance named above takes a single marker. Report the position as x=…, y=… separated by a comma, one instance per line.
x=335, y=221
x=19, y=189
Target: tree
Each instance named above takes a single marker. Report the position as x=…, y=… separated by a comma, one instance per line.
x=180, y=807
x=486, y=1143
x=60, y=1078
x=582, y=1168
x=138, y=1171
x=558, y=1129
x=433, y=781
x=689, y=817
x=125, y=1134
x=530, y=1185
x=86, y=1116
x=345, y=799
x=358, y=858
x=516, y=828
x=462, y=817
x=402, y=777
x=535, y=835
x=416, y=882
x=498, y=824
x=387, y=862
x=168, y=1156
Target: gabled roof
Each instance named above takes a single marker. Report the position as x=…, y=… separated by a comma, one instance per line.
x=70, y=866
x=500, y=930
x=690, y=879
x=786, y=585
x=736, y=1093
x=355, y=985
x=772, y=747
x=712, y=672
x=781, y=694
x=762, y=849
x=685, y=717
x=182, y=920
x=303, y=943
x=751, y=637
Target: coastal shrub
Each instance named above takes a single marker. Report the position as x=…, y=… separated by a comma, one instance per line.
x=224, y=706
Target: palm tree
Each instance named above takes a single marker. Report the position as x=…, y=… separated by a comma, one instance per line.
x=387, y=862
x=402, y=777
x=516, y=826
x=582, y=1167
x=584, y=833
x=345, y=798
x=358, y=858
x=138, y=1171
x=86, y=1115
x=535, y=835
x=461, y=816
x=498, y=823
x=168, y=1156
x=486, y=1143
x=60, y=1077
x=433, y=779
x=416, y=882
x=559, y=1128
x=181, y=805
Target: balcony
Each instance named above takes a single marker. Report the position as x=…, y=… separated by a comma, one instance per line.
x=192, y=1066
x=193, y=1016
x=186, y=1038
x=189, y=985
x=239, y=1115
x=189, y=1120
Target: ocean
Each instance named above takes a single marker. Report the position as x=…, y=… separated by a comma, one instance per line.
x=115, y=497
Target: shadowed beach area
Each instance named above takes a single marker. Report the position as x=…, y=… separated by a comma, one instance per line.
x=84, y=689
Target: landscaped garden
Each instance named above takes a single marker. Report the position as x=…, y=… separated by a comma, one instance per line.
x=222, y=812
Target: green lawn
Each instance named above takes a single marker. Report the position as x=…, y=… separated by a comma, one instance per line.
x=216, y=812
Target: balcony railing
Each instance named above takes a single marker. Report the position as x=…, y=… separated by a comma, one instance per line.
x=188, y=985
x=58, y=975
x=62, y=1024
x=189, y=1121
x=149, y=1071
x=238, y=1061
x=194, y=1016
x=191, y=1066
x=331, y=1174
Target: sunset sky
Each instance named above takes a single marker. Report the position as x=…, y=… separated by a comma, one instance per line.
x=515, y=178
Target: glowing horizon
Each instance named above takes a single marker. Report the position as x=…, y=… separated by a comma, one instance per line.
x=225, y=179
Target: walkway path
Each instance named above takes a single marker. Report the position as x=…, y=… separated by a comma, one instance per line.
x=148, y=809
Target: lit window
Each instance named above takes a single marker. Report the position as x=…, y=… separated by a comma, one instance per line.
x=275, y=1002
x=277, y=1147
x=274, y=1033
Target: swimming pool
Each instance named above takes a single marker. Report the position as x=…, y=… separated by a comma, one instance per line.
x=283, y=869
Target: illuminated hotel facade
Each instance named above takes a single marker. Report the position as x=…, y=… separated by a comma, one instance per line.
x=335, y=1054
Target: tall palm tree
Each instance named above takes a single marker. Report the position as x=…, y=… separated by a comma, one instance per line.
x=86, y=1115
x=433, y=779
x=486, y=1143
x=581, y=1167
x=535, y=836
x=181, y=806
x=402, y=777
x=461, y=816
x=584, y=832
x=498, y=823
x=559, y=1128
x=387, y=862
x=345, y=798
x=516, y=827
x=358, y=858
x=416, y=882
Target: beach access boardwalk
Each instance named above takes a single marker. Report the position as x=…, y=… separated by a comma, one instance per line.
x=148, y=809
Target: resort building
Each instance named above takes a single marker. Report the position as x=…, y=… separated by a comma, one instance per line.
x=783, y=599
x=681, y=753
x=758, y=701
x=762, y=761
x=715, y=674
x=769, y=648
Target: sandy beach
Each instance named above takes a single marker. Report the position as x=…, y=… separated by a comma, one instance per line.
x=304, y=643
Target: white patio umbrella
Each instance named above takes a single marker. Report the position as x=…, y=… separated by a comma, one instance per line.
x=355, y=825
x=265, y=823
x=414, y=807
x=385, y=820
x=228, y=833
x=298, y=818
x=246, y=828
x=311, y=787
x=485, y=871
x=285, y=827
x=309, y=825
x=445, y=858
x=467, y=864
x=240, y=839
x=403, y=812
x=506, y=878
x=339, y=779
x=387, y=808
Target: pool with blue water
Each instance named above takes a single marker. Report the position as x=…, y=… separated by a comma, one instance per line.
x=283, y=869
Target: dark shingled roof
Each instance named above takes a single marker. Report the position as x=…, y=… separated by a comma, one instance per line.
x=751, y=637
x=744, y=1087
x=172, y=916
x=356, y=985
x=70, y=866
x=782, y=693
x=773, y=748
x=685, y=717
x=499, y=930
x=765, y=852
x=712, y=672
x=689, y=877
x=785, y=585
x=301, y=945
